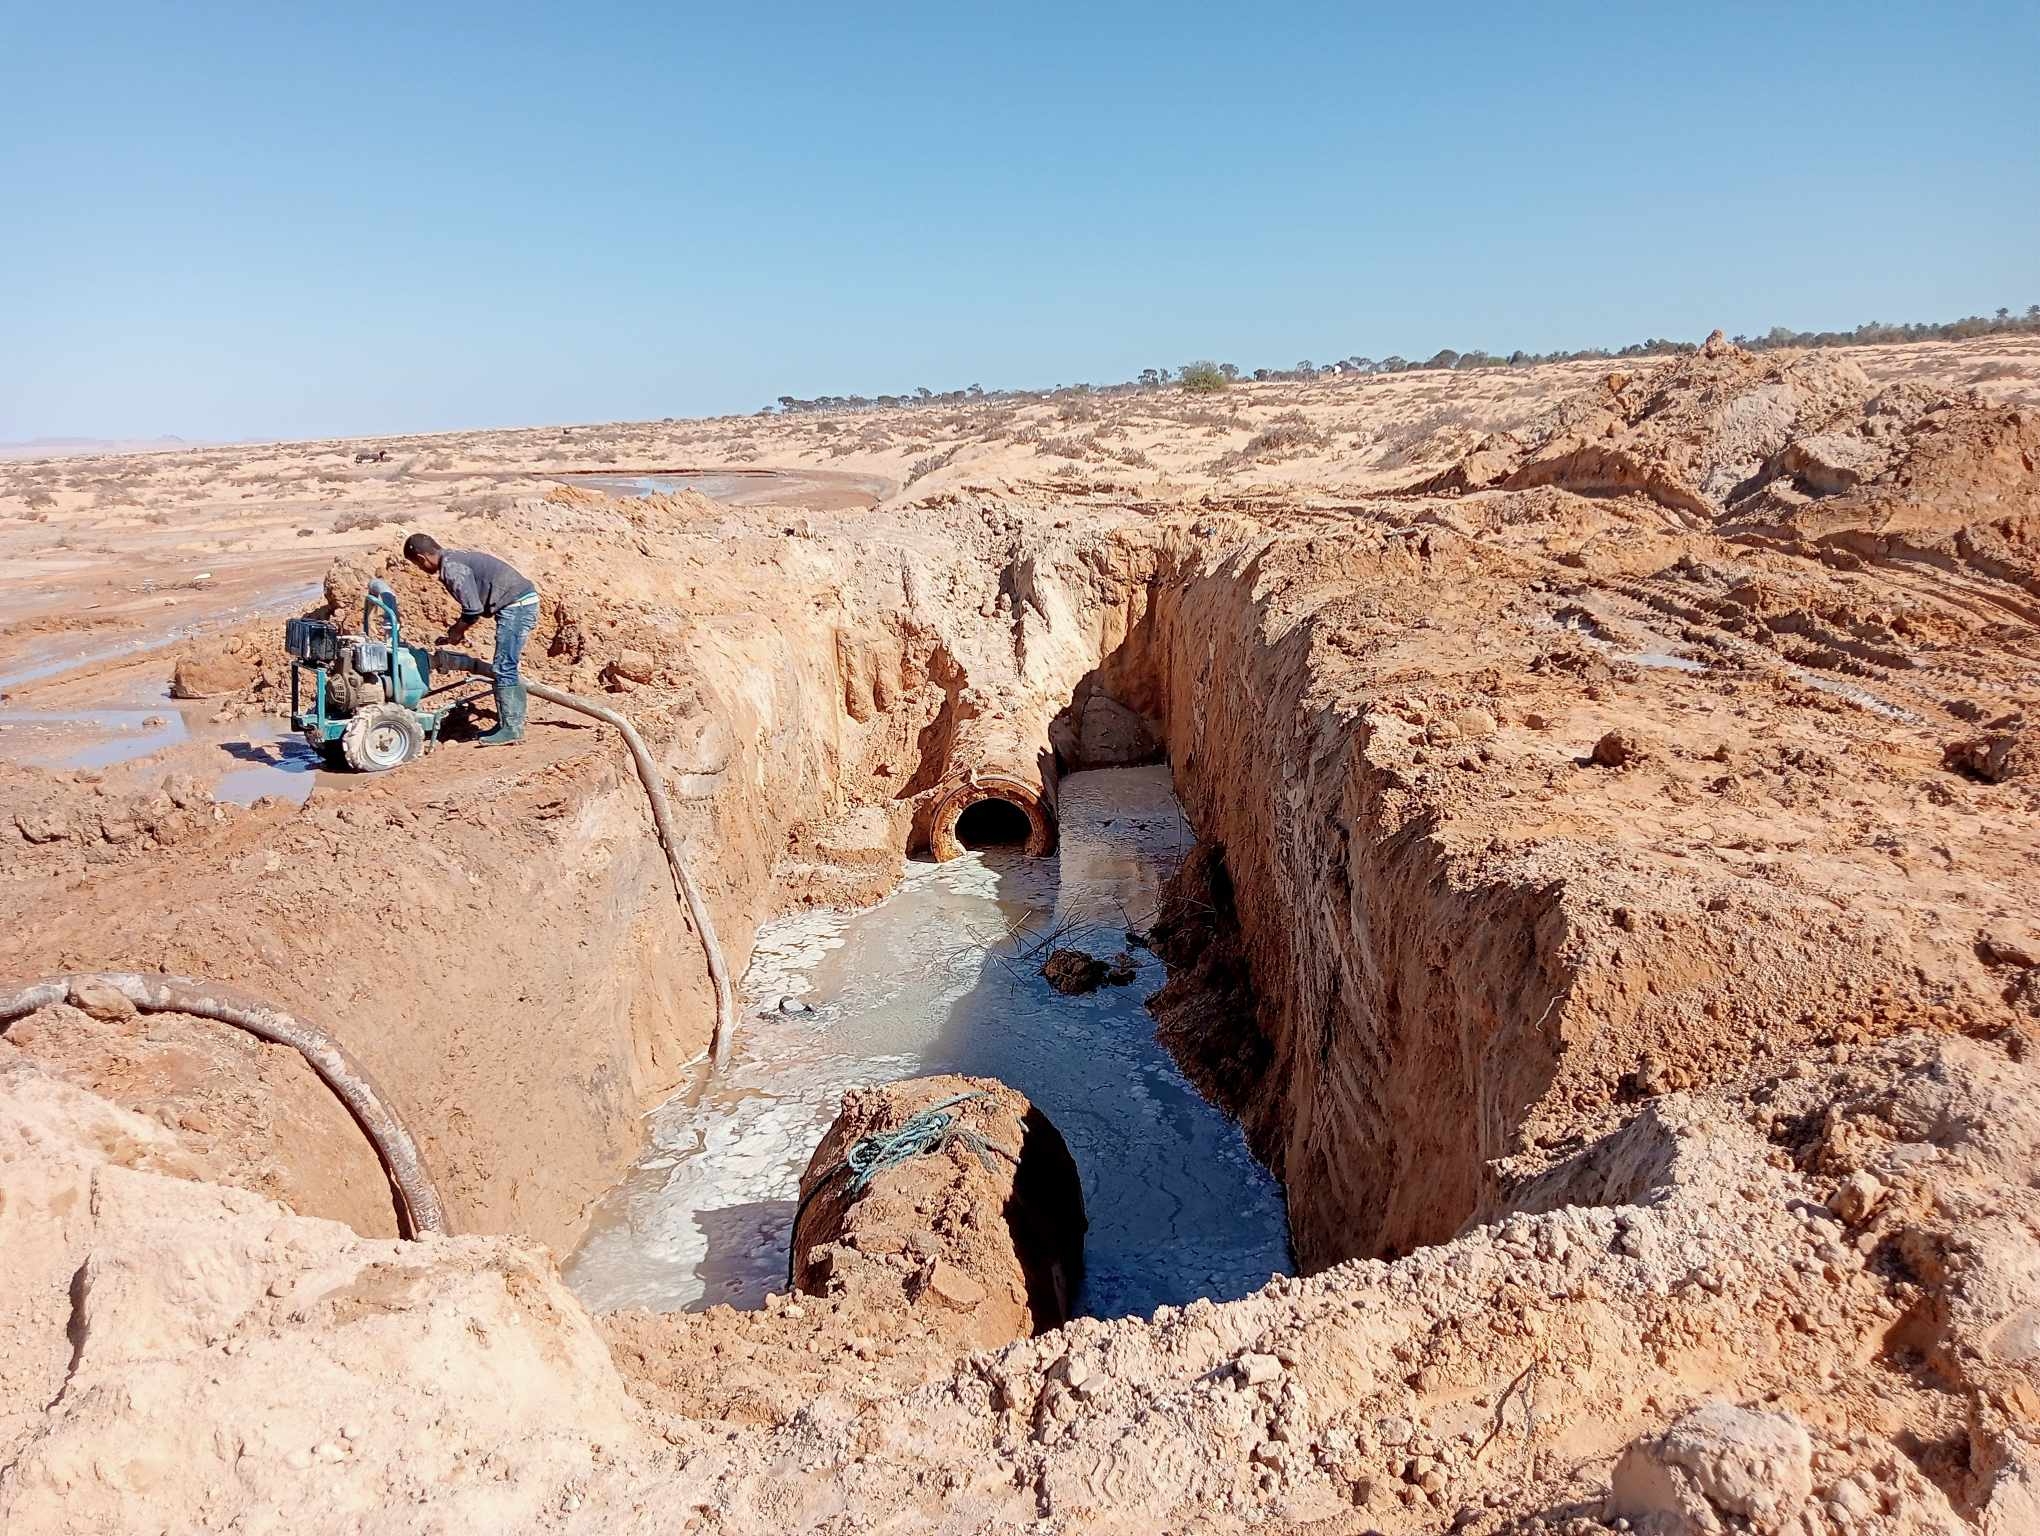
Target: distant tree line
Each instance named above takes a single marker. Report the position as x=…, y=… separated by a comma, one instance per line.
x=1207, y=377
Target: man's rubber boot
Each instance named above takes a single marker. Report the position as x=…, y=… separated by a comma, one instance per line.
x=510, y=711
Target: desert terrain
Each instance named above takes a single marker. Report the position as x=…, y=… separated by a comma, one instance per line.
x=1614, y=917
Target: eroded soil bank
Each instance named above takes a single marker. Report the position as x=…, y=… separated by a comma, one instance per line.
x=1646, y=1049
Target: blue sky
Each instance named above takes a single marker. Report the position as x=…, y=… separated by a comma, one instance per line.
x=228, y=221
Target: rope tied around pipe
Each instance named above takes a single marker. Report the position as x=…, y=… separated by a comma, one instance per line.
x=922, y=1134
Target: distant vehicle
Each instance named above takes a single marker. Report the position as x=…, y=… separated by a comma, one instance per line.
x=372, y=456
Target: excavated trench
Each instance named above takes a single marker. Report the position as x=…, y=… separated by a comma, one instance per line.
x=1375, y=1030
x=944, y=976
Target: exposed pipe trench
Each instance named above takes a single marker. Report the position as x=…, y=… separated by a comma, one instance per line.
x=669, y=838
x=349, y=1080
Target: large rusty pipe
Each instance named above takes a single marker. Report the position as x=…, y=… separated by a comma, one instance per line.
x=1005, y=757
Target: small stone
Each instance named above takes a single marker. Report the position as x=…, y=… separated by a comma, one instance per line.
x=327, y=1450
x=2010, y=945
x=952, y=1287
x=1474, y=723
x=100, y=1000
x=1617, y=749
x=1072, y=972
x=637, y=666
x=1857, y=1196
x=1269, y=1454
x=1395, y=1431
x=1737, y=1460
x=1853, y=1499
x=1257, y=1370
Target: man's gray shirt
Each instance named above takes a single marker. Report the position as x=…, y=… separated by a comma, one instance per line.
x=483, y=585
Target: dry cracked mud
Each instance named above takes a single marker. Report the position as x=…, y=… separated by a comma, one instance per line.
x=1614, y=918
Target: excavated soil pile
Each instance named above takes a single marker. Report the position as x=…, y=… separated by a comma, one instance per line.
x=1616, y=916
x=982, y=1233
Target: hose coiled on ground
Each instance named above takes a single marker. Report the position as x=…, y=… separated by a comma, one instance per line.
x=662, y=819
x=418, y=1202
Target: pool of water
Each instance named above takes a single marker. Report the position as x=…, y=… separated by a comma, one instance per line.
x=944, y=976
x=90, y=737
x=258, y=756
x=720, y=487
x=274, y=759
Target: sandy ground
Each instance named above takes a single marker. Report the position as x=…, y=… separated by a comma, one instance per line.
x=1615, y=918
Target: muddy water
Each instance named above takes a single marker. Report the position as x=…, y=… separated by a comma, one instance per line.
x=88, y=738
x=255, y=757
x=719, y=487
x=943, y=977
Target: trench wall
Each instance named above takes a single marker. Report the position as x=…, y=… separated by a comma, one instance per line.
x=1401, y=1014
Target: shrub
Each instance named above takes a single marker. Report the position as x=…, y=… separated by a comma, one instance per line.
x=365, y=517
x=1286, y=435
x=929, y=465
x=1415, y=441
x=1069, y=447
x=1203, y=377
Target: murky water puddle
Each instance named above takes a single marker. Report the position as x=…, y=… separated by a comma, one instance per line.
x=719, y=487
x=61, y=654
x=90, y=737
x=259, y=756
x=943, y=976
x=275, y=761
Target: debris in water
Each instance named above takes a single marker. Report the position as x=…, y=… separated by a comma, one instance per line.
x=1072, y=972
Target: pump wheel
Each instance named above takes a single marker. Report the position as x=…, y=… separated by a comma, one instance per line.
x=382, y=736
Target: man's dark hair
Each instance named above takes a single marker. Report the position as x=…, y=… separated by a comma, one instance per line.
x=420, y=544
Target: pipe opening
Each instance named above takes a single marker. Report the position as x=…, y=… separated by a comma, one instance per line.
x=991, y=812
x=993, y=824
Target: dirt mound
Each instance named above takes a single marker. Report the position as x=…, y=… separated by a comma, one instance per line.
x=1686, y=434
x=1958, y=489
x=1850, y=1242
x=246, y=666
x=980, y=1234
x=54, y=822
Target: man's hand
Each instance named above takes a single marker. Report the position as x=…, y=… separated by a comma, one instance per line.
x=456, y=632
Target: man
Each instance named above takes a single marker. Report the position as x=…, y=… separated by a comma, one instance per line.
x=486, y=588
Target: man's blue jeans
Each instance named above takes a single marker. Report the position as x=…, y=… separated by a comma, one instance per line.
x=513, y=628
